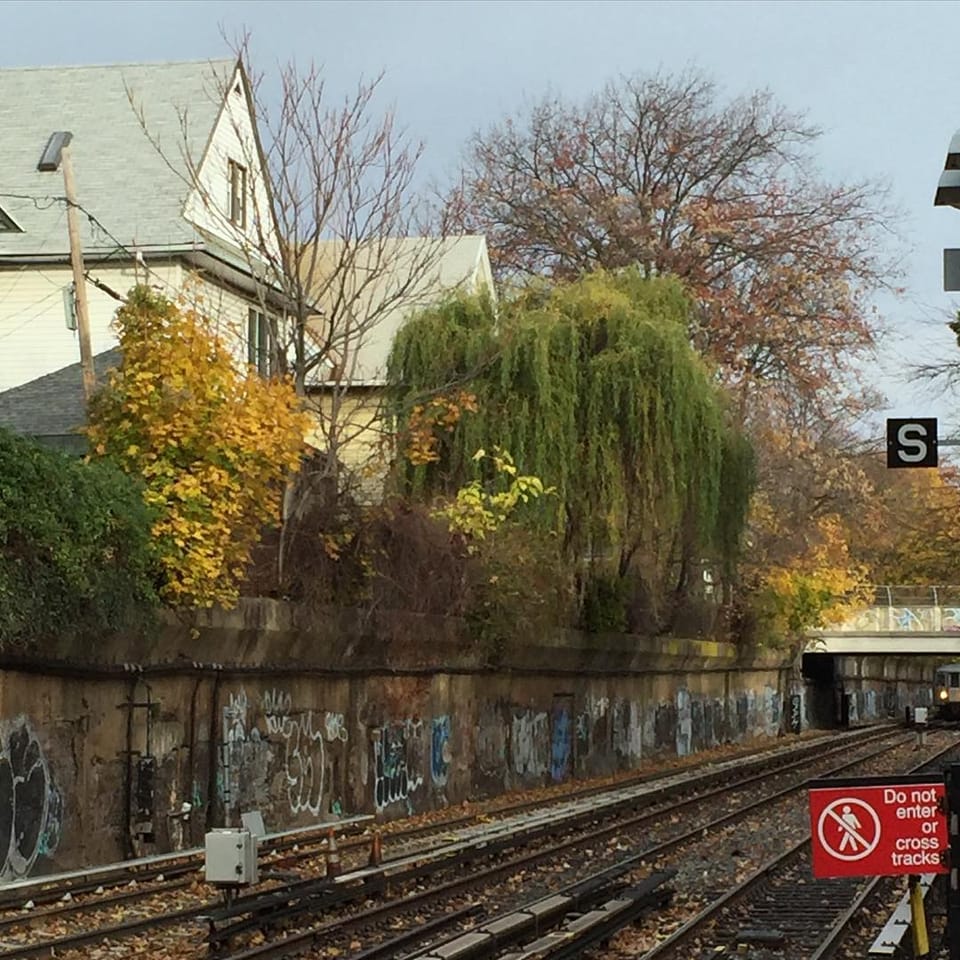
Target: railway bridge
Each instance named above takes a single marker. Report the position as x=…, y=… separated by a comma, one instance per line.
x=881, y=655
x=902, y=621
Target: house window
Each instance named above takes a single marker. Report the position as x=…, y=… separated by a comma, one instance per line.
x=237, y=175
x=258, y=342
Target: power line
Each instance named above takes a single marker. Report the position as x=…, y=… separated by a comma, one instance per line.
x=46, y=201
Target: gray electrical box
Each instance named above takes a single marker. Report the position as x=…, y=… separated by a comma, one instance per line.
x=231, y=857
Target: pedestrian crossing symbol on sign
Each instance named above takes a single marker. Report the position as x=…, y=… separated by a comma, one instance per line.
x=849, y=829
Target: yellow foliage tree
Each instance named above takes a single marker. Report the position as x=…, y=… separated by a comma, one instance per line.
x=212, y=443
x=476, y=511
x=914, y=538
x=821, y=585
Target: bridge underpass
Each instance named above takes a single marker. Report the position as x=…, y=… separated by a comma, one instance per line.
x=898, y=641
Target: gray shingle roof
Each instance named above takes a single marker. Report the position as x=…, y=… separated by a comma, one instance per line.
x=121, y=176
x=52, y=406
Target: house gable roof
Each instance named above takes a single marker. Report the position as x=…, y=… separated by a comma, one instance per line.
x=455, y=264
x=52, y=408
x=134, y=189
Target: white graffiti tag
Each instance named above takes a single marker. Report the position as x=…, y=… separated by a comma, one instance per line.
x=336, y=727
x=235, y=718
x=276, y=709
x=304, y=762
x=530, y=736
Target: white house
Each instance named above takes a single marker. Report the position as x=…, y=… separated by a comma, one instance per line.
x=364, y=295
x=171, y=186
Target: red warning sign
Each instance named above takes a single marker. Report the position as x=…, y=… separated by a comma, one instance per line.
x=877, y=826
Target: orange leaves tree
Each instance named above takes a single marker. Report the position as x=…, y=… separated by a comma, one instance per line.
x=914, y=536
x=213, y=443
x=661, y=173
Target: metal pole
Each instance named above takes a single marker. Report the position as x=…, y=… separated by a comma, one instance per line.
x=951, y=778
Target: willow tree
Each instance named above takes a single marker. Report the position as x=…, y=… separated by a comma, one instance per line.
x=593, y=387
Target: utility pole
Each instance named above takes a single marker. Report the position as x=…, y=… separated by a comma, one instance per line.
x=79, y=284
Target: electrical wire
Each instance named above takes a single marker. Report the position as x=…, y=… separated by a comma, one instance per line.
x=45, y=202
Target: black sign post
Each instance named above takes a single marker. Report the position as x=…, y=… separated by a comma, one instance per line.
x=912, y=442
x=951, y=777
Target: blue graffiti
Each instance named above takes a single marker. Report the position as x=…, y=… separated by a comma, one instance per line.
x=440, y=751
x=560, y=748
x=906, y=619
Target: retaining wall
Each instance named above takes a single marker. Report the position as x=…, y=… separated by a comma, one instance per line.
x=138, y=748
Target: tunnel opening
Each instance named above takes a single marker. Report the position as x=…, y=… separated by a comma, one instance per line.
x=828, y=708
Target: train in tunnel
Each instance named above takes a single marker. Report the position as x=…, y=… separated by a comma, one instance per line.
x=946, y=692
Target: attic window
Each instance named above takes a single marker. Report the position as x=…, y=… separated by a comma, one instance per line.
x=237, y=176
x=7, y=224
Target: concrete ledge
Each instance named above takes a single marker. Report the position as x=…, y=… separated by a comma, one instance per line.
x=277, y=637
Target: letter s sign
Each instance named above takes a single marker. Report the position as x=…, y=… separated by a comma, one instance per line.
x=912, y=443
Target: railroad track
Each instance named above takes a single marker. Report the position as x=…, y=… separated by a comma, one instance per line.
x=429, y=905
x=262, y=913
x=779, y=910
x=297, y=846
x=292, y=847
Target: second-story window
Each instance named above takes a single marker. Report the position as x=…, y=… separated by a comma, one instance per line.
x=237, y=175
x=258, y=342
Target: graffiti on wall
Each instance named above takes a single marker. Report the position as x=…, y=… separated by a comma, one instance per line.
x=530, y=742
x=396, y=777
x=244, y=775
x=31, y=806
x=250, y=756
x=336, y=727
x=440, y=755
x=627, y=730
x=304, y=763
x=561, y=739
x=684, y=723
x=491, y=742
x=276, y=705
x=304, y=736
x=235, y=718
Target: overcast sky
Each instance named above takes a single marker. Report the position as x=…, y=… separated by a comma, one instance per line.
x=878, y=77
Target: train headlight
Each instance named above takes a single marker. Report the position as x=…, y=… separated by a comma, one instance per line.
x=944, y=694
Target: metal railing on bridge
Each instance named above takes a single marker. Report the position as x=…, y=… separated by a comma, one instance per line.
x=906, y=609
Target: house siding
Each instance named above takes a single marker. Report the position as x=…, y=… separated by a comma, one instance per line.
x=33, y=332
x=361, y=428
x=208, y=206
x=34, y=338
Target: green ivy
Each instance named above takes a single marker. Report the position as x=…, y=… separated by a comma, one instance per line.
x=75, y=549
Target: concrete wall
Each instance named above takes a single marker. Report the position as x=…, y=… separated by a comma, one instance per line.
x=258, y=710
x=885, y=686
x=33, y=325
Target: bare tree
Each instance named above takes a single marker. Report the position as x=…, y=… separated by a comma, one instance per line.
x=340, y=243
x=661, y=173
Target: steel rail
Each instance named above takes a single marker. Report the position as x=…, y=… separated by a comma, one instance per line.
x=301, y=940
x=712, y=911
x=483, y=846
x=52, y=887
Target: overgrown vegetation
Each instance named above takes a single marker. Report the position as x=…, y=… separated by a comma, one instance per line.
x=76, y=558
x=212, y=445
x=593, y=388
